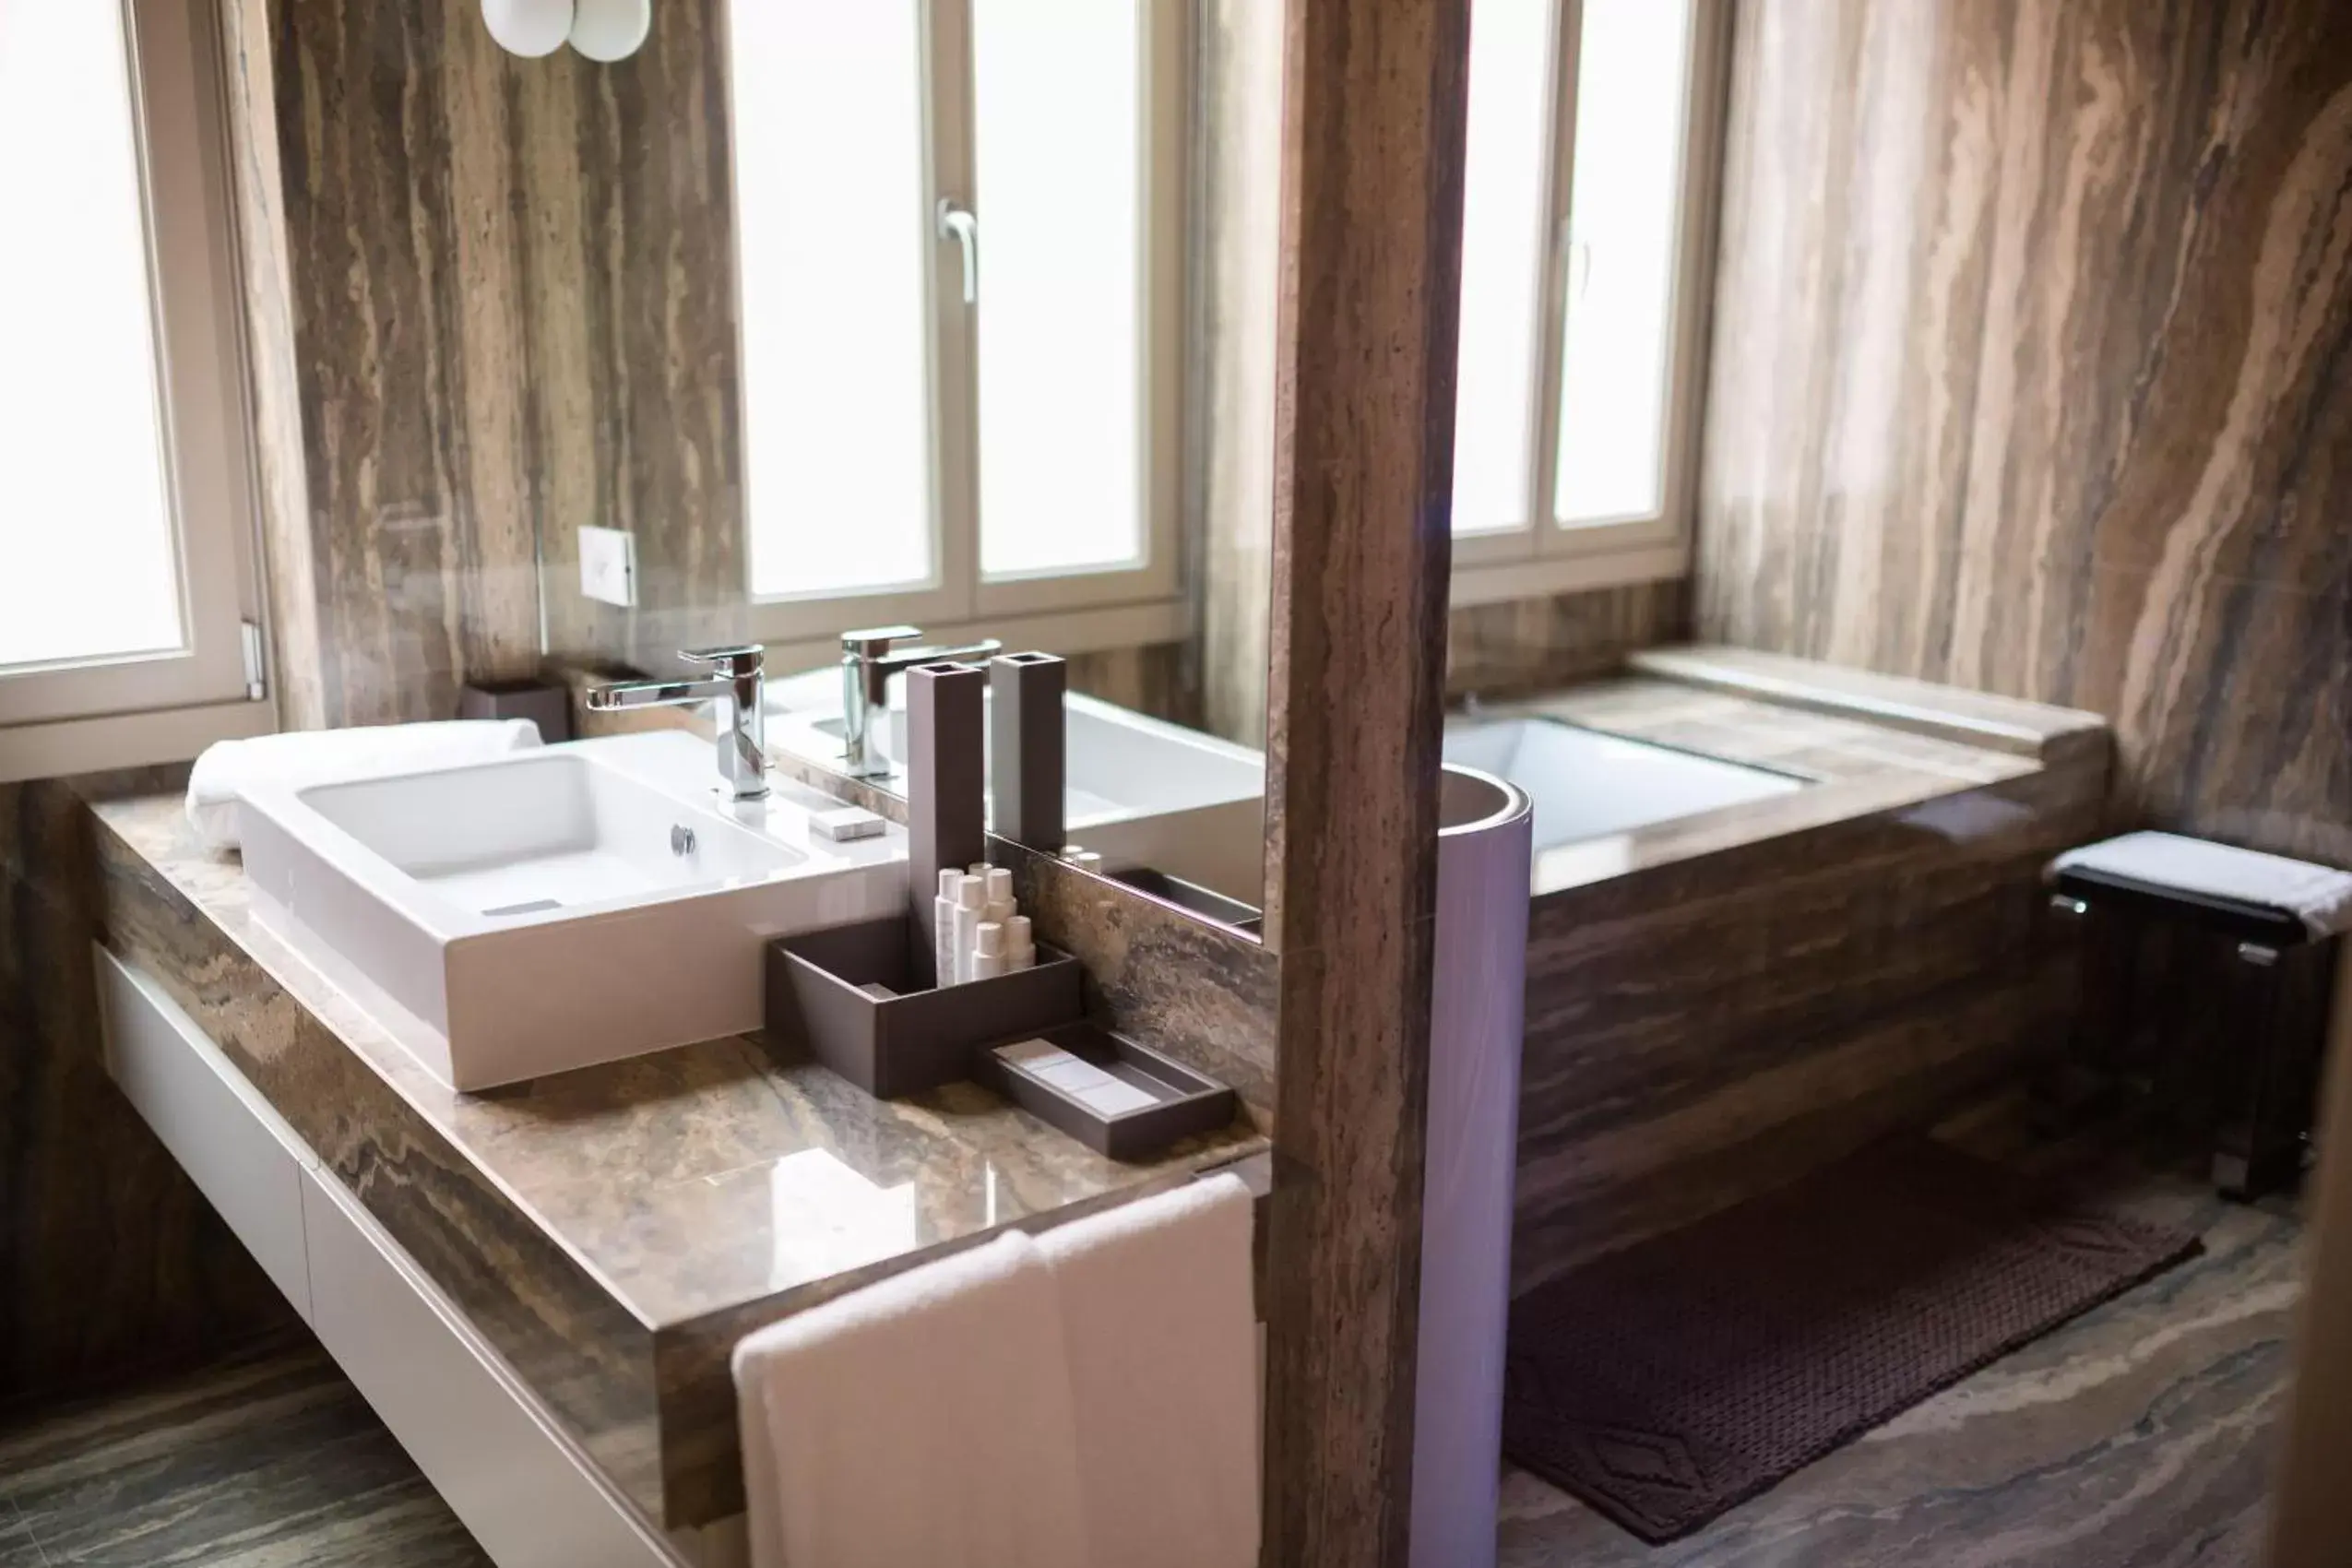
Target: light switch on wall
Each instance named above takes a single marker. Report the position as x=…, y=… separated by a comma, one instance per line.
x=609, y=565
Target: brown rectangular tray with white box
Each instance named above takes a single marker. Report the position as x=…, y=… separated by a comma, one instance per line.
x=1132, y=1102
x=849, y=996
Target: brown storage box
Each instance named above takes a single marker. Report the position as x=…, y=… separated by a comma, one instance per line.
x=921, y=1037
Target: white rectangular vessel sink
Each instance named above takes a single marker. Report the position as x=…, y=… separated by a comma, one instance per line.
x=557, y=907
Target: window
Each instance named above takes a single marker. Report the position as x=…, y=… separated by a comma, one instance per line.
x=1584, y=224
x=124, y=515
x=959, y=244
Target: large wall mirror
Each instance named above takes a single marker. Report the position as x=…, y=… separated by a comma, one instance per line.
x=1004, y=312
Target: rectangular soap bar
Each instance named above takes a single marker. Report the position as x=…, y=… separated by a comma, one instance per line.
x=1098, y=1092
x=846, y=822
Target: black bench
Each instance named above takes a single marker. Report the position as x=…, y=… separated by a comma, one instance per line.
x=2214, y=1002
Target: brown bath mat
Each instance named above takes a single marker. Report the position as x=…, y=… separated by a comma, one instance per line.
x=1666, y=1383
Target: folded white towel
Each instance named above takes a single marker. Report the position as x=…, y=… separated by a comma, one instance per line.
x=1163, y=1350
x=2320, y=896
x=1089, y=1398
x=923, y=1420
x=228, y=769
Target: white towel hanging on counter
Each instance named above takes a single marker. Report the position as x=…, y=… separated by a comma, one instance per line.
x=1084, y=1400
x=1160, y=1332
x=923, y=1420
x=228, y=769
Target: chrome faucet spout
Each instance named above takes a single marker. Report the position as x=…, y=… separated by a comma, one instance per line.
x=622, y=695
x=742, y=734
x=868, y=660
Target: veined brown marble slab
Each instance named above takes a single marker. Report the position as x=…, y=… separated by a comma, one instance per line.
x=1722, y=1001
x=615, y=1230
x=2032, y=371
x=112, y=1265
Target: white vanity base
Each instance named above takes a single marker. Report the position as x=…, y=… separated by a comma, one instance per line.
x=500, y=1459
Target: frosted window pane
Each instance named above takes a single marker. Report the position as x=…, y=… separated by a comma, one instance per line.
x=1630, y=92
x=85, y=516
x=833, y=234
x=1503, y=249
x=1058, y=128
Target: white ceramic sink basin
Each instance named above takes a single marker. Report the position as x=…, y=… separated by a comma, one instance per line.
x=557, y=907
x=1140, y=791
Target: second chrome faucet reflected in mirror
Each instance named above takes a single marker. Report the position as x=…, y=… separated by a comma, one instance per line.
x=867, y=663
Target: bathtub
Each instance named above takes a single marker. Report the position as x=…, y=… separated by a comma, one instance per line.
x=1588, y=785
x=1774, y=913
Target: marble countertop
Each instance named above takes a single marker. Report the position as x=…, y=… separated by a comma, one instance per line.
x=647, y=1210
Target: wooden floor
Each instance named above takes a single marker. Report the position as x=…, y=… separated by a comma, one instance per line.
x=268, y=1460
x=2138, y=1436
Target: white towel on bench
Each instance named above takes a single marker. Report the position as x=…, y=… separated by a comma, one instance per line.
x=2320, y=896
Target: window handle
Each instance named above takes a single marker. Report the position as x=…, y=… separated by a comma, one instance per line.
x=958, y=224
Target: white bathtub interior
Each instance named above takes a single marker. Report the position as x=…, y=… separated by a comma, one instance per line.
x=1588, y=785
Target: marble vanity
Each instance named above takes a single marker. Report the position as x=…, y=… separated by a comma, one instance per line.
x=610, y=1233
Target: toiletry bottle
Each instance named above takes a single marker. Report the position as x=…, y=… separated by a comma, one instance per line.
x=970, y=894
x=999, y=906
x=988, y=950
x=943, y=925
x=1020, y=946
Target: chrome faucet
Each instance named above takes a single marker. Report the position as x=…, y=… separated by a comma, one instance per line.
x=742, y=736
x=867, y=664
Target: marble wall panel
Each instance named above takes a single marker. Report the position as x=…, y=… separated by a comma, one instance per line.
x=2032, y=371
x=112, y=1265
x=1533, y=644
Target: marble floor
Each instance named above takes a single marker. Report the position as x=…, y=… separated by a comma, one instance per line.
x=270, y=1459
x=2138, y=1436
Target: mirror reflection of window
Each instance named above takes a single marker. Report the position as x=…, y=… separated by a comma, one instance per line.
x=961, y=273
x=1579, y=251
x=837, y=360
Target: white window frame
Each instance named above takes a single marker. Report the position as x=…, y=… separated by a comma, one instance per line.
x=1540, y=556
x=120, y=711
x=1072, y=610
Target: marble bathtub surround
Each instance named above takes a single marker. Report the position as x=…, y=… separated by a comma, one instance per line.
x=1721, y=1003
x=2031, y=374
x=611, y=1231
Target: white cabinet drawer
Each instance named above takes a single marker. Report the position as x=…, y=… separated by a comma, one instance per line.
x=520, y=1484
x=239, y=1152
